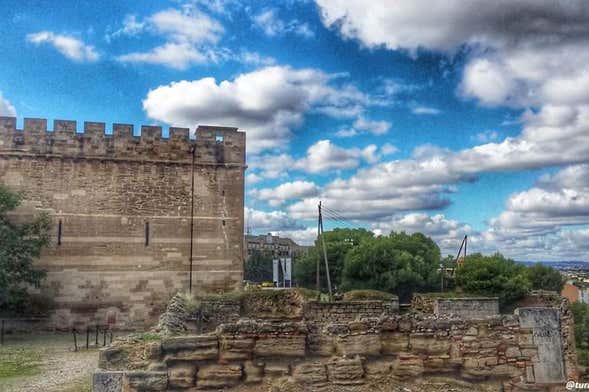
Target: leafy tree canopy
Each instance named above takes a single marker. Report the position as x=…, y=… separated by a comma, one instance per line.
x=258, y=267
x=20, y=244
x=399, y=263
x=338, y=243
x=545, y=277
x=493, y=275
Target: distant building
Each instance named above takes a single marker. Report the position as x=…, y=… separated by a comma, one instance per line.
x=277, y=246
x=576, y=291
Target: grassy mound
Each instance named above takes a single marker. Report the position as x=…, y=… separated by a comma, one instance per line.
x=368, y=295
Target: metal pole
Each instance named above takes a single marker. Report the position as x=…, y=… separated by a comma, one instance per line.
x=75, y=340
x=96, y=343
x=2, y=333
x=87, y=337
x=325, y=254
x=317, y=273
x=465, y=243
x=193, y=152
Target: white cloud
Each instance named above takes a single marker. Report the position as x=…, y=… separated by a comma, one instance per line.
x=271, y=24
x=448, y=24
x=193, y=26
x=271, y=165
x=252, y=178
x=372, y=126
x=286, y=191
x=422, y=182
x=265, y=103
x=189, y=35
x=306, y=236
x=6, y=108
x=70, y=47
x=425, y=110
x=267, y=221
x=174, y=55
x=324, y=156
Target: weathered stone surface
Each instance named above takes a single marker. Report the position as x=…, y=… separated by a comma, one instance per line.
x=254, y=371
x=365, y=344
x=407, y=366
x=428, y=344
x=190, y=348
x=393, y=343
x=138, y=381
x=153, y=351
x=545, y=325
x=218, y=376
x=277, y=369
x=181, y=375
x=107, y=381
x=346, y=371
x=236, y=348
x=314, y=373
x=378, y=367
x=281, y=346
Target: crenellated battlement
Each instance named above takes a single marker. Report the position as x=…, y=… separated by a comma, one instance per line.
x=215, y=145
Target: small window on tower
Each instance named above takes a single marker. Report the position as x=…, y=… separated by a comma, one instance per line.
x=146, y=233
x=59, y=229
x=219, y=138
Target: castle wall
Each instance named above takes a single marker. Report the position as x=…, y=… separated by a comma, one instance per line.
x=119, y=206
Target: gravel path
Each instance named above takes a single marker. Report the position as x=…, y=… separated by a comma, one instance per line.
x=61, y=368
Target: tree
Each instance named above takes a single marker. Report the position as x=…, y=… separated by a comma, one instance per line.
x=399, y=263
x=581, y=316
x=258, y=267
x=20, y=245
x=493, y=275
x=543, y=277
x=338, y=242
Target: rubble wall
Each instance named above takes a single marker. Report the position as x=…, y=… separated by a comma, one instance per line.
x=311, y=355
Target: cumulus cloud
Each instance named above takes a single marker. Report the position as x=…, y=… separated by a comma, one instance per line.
x=363, y=124
x=286, y=191
x=268, y=221
x=272, y=25
x=266, y=103
x=497, y=23
x=324, y=155
x=189, y=35
x=6, y=108
x=69, y=46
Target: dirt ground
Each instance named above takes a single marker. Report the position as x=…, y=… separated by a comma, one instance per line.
x=45, y=363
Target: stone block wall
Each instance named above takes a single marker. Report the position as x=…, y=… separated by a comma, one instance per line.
x=506, y=349
x=467, y=307
x=119, y=205
x=345, y=311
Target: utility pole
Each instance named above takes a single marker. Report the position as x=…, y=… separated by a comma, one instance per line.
x=193, y=152
x=324, y=252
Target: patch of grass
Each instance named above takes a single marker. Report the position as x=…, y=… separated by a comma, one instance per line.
x=149, y=337
x=368, y=295
x=19, y=361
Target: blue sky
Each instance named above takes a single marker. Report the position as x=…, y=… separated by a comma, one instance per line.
x=469, y=122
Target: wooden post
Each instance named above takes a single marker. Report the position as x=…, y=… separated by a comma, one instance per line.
x=75, y=339
x=2, y=333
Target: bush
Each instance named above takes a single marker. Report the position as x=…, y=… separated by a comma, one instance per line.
x=493, y=276
x=338, y=243
x=398, y=263
x=543, y=277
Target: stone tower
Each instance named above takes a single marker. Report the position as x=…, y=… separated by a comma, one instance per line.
x=120, y=209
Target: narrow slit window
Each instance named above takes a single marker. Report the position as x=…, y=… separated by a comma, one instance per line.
x=146, y=233
x=222, y=193
x=59, y=229
x=223, y=222
x=219, y=138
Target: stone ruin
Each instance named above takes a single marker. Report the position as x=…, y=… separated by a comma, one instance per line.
x=318, y=346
